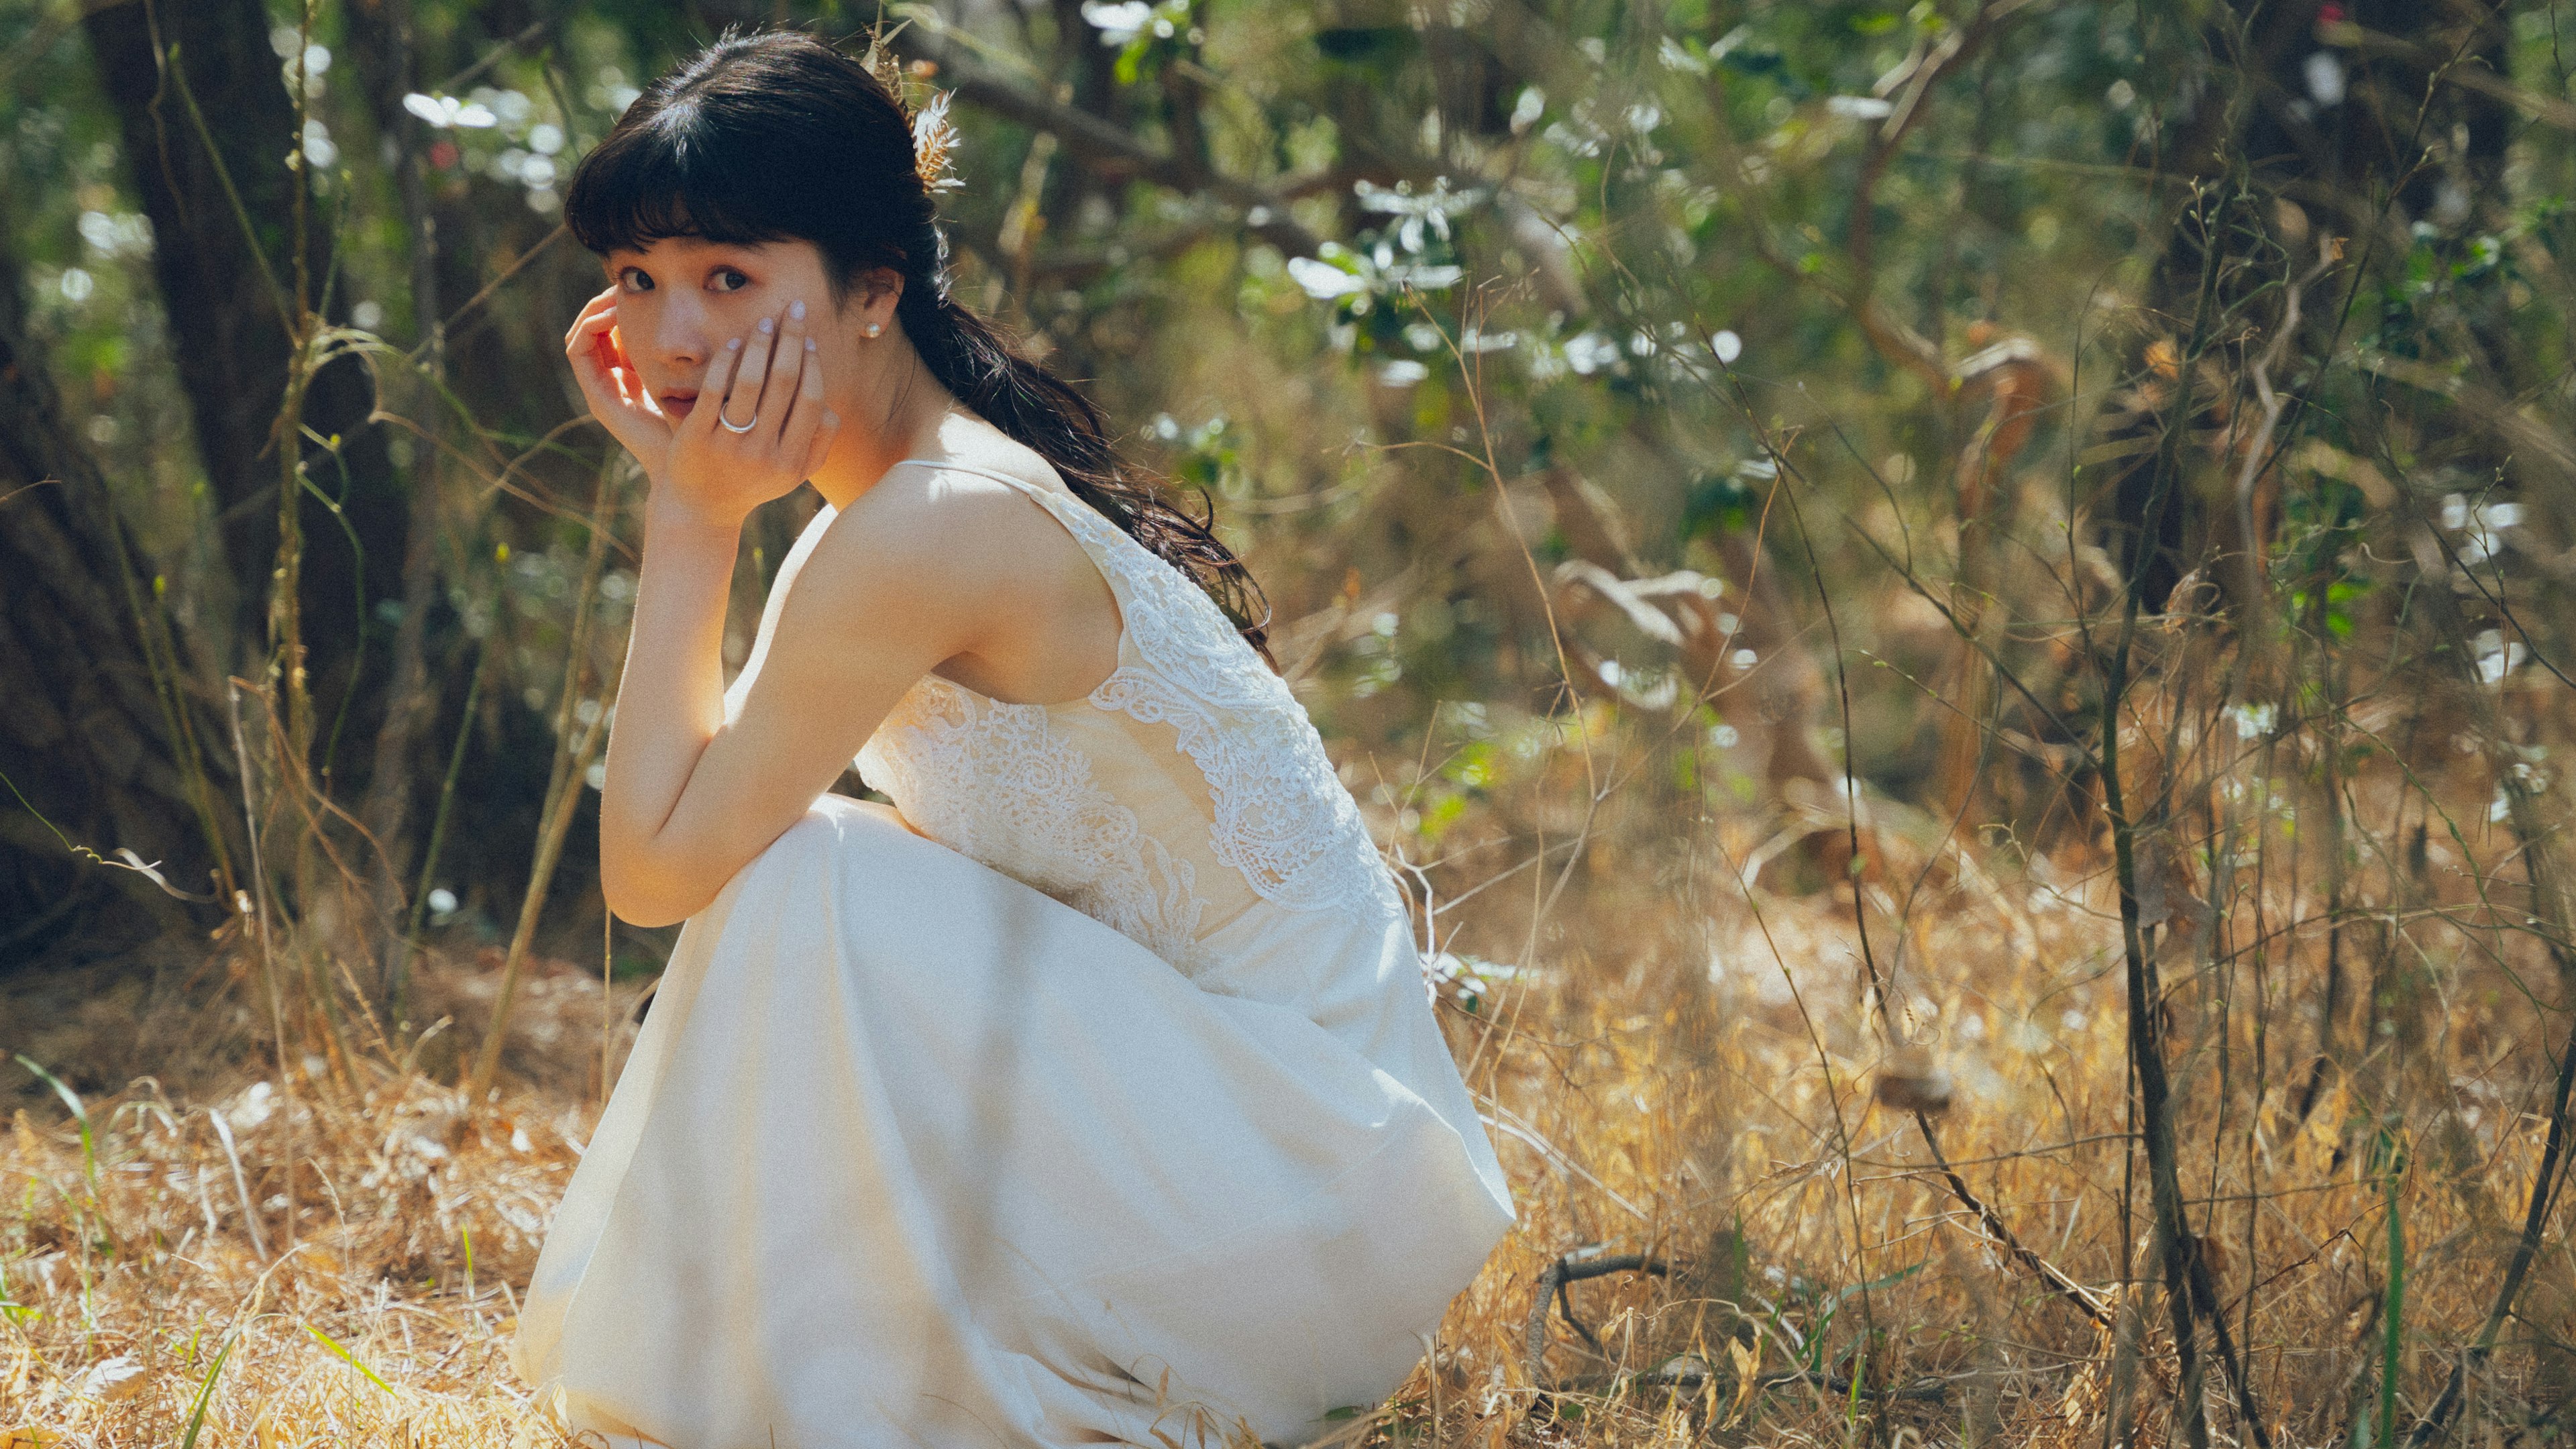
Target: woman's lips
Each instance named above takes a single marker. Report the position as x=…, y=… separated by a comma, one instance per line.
x=677, y=404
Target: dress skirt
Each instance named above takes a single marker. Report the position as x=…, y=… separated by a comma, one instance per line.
x=909, y=1153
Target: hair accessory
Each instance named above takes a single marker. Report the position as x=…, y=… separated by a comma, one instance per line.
x=934, y=141
x=730, y=426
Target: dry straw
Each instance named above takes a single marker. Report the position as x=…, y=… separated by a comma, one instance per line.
x=1646, y=1116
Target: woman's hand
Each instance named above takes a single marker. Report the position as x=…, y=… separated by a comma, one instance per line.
x=612, y=386
x=757, y=429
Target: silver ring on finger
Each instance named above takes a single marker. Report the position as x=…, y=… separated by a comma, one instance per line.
x=730, y=426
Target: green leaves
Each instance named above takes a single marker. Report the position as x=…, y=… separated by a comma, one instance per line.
x=327, y=1341
x=80, y=1113
x=1148, y=35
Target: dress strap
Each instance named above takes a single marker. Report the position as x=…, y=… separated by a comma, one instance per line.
x=1066, y=508
x=1022, y=484
x=1093, y=533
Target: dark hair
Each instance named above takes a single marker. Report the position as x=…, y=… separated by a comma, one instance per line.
x=775, y=135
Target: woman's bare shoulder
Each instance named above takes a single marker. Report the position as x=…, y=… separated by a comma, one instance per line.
x=945, y=528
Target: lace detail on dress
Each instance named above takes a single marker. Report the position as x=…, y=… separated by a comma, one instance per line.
x=1282, y=816
x=1005, y=785
x=997, y=783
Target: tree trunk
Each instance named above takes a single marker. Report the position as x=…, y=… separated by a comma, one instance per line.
x=2337, y=110
x=221, y=200
x=382, y=44
x=101, y=745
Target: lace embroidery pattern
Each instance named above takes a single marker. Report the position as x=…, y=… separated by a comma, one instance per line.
x=1282, y=816
x=1001, y=784
x=997, y=783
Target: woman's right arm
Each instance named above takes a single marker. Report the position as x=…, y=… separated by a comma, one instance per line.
x=704, y=483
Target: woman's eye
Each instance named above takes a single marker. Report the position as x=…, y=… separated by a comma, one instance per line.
x=727, y=279
x=634, y=280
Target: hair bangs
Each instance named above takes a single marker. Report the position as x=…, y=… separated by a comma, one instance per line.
x=667, y=179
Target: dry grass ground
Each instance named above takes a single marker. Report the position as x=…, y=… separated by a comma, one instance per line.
x=1693, y=1080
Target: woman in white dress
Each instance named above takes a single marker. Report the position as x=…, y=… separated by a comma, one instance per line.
x=1095, y=1096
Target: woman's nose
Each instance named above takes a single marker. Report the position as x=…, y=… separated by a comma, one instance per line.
x=680, y=336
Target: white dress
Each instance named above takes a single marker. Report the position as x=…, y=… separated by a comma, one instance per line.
x=1113, y=1111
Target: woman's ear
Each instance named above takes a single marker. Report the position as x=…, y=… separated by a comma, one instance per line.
x=879, y=291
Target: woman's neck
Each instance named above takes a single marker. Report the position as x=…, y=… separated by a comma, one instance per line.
x=916, y=410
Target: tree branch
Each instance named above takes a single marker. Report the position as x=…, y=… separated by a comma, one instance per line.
x=1107, y=151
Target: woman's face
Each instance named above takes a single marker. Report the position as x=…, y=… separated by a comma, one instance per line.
x=681, y=299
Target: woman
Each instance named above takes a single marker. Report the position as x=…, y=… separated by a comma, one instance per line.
x=1092, y=1098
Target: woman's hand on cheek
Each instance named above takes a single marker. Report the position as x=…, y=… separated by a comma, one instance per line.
x=758, y=429
x=611, y=385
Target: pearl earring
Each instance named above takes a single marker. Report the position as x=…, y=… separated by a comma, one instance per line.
x=873, y=328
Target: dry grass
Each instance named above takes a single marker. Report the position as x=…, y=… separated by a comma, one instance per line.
x=1691, y=1079
x=365, y=1298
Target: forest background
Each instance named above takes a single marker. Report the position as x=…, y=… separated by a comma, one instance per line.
x=1955, y=614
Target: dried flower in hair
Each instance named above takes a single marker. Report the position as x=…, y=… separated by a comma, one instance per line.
x=882, y=64
x=934, y=140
